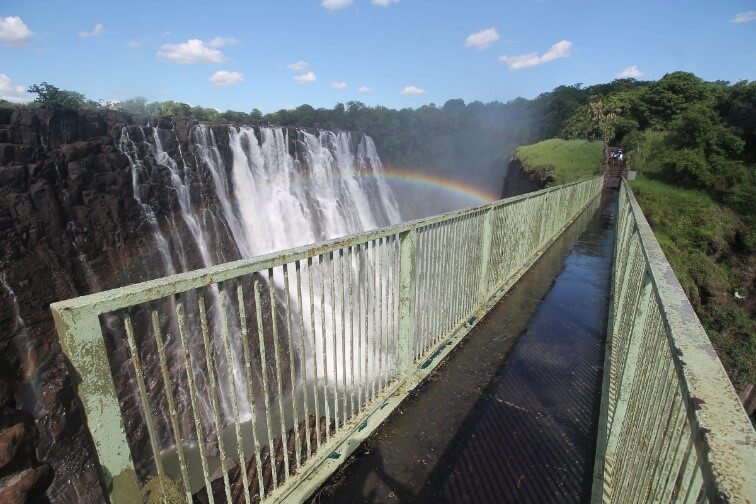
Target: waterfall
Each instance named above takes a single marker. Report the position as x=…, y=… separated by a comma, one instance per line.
x=239, y=192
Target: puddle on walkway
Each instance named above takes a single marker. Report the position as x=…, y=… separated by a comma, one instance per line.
x=511, y=415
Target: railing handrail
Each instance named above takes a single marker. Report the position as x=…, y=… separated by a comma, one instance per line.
x=726, y=440
x=122, y=297
x=671, y=426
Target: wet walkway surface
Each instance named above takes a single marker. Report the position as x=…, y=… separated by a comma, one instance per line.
x=511, y=415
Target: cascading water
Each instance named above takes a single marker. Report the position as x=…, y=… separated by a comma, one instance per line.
x=240, y=192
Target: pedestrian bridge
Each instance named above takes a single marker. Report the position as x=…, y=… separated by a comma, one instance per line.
x=256, y=380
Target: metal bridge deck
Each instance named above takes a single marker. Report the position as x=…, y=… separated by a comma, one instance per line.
x=511, y=415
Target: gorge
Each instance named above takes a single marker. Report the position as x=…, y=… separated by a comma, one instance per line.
x=95, y=200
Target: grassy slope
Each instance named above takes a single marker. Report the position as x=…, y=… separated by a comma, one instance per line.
x=698, y=235
x=559, y=161
x=700, y=239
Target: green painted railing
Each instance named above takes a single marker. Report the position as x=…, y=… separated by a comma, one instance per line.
x=288, y=361
x=671, y=428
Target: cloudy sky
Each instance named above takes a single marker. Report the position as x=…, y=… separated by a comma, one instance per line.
x=399, y=53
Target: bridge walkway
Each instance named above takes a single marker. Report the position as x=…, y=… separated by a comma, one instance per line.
x=511, y=415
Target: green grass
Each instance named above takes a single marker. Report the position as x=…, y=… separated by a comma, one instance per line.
x=558, y=161
x=703, y=242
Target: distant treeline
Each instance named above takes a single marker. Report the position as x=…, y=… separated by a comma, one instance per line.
x=699, y=133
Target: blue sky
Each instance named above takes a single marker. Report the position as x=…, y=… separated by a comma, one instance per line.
x=407, y=52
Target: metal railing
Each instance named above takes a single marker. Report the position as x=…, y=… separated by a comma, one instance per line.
x=257, y=378
x=671, y=427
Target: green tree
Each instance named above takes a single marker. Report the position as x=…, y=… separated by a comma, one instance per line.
x=51, y=97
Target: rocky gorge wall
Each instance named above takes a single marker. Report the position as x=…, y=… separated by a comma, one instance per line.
x=520, y=181
x=69, y=225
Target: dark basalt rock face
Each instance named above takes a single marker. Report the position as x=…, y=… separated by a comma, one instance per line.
x=67, y=215
x=519, y=181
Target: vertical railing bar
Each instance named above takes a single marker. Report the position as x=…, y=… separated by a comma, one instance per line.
x=277, y=362
x=636, y=397
x=136, y=362
x=633, y=393
x=334, y=338
x=326, y=405
x=232, y=392
x=443, y=281
x=264, y=368
x=247, y=356
x=292, y=373
x=407, y=309
x=422, y=288
x=344, y=397
x=666, y=439
x=646, y=447
x=173, y=413
x=436, y=293
x=664, y=413
x=449, y=277
x=694, y=487
x=302, y=360
x=433, y=285
x=681, y=421
x=360, y=283
x=310, y=266
x=647, y=388
x=193, y=395
x=395, y=304
x=351, y=329
x=683, y=471
x=383, y=310
x=373, y=304
x=379, y=310
x=210, y=362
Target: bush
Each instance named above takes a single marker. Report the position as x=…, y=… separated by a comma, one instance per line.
x=689, y=167
x=50, y=97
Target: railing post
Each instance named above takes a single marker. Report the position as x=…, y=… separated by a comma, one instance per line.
x=407, y=277
x=83, y=343
x=485, y=254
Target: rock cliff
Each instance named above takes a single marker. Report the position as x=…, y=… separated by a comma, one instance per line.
x=69, y=225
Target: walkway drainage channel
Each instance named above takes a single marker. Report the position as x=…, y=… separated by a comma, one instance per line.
x=511, y=415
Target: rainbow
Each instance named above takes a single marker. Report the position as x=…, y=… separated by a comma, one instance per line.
x=445, y=184
x=420, y=179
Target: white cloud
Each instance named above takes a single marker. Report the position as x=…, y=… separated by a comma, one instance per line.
x=94, y=32
x=744, y=17
x=134, y=43
x=364, y=89
x=482, y=39
x=191, y=51
x=336, y=4
x=224, y=78
x=217, y=42
x=412, y=90
x=11, y=92
x=13, y=31
x=562, y=49
x=339, y=85
x=384, y=3
x=631, y=72
x=299, y=65
x=306, y=78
